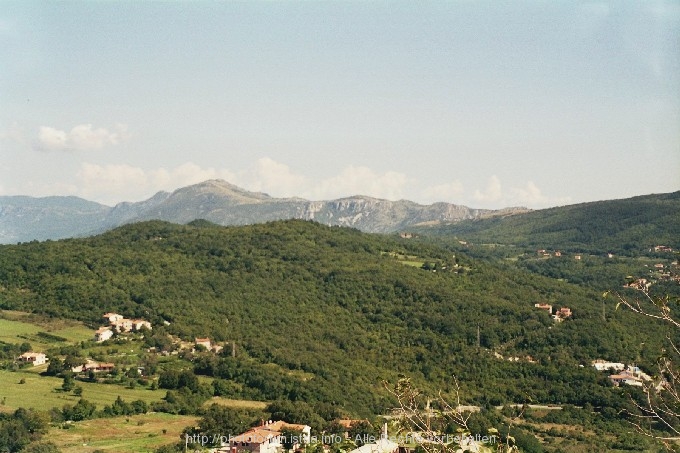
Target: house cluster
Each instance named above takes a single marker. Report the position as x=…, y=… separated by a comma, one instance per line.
x=527, y=358
x=36, y=358
x=267, y=438
x=382, y=445
x=625, y=375
x=559, y=316
x=661, y=248
x=639, y=283
x=97, y=367
x=558, y=253
x=118, y=323
x=208, y=345
x=666, y=272
x=659, y=272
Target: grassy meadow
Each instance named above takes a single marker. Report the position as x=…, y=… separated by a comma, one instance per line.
x=139, y=433
x=41, y=333
x=43, y=392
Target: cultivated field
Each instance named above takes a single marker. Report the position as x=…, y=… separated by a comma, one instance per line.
x=236, y=404
x=135, y=433
x=43, y=392
x=41, y=333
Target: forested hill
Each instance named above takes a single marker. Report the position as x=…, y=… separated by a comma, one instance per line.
x=325, y=313
x=624, y=226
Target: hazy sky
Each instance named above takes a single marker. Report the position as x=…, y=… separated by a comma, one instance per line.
x=487, y=104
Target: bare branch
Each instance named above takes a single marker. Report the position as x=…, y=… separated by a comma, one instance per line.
x=662, y=399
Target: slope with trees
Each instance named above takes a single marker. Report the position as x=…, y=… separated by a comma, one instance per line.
x=324, y=314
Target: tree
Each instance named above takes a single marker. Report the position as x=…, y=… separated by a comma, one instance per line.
x=187, y=379
x=418, y=418
x=55, y=367
x=168, y=380
x=73, y=361
x=290, y=438
x=361, y=430
x=25, y=347
x=660, y=407
x=219, y=421
x=82, y=410
x=295, y=412
x=41, y=447
x=69, y=383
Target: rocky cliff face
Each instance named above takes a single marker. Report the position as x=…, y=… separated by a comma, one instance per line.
x=376, y=215
x=26, y=218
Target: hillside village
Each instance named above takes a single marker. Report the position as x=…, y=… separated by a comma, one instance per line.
x=120, y=324
x=559, y=315
x=344, y=226
x=534, y=330
x=628, y=374
x=658, y=272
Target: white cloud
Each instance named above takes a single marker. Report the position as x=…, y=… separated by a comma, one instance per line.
x=83, y=137
x=361, y=181
x=529, y=195
x=184, y=175
x=271, y=177
x=112, y=183
x=492, y=193
x=447, y=192
x=50, y=139
x=14, y=133
x=38, y=189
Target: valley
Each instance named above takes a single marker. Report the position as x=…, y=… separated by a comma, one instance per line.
x=308, y=323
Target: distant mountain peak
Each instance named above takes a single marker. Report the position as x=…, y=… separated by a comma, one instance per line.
x=220, y=202
x=222, y=188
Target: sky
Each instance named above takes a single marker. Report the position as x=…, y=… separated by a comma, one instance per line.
x=487, y=104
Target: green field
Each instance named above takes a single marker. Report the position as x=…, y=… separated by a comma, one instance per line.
x=16, y=331
x=138, y=433
x=18, y=327
x=412, y=263
x=407, y=260
x=236, y=404
x=40, y=392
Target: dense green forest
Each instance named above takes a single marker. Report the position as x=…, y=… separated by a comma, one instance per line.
x=630, y=227
x=326, y=314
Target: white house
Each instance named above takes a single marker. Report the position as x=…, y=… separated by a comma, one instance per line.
x=267, y=438
x=112, y=317
x=103, y=334
x=139, y=323
x=205, y=342
x=122, y=325
x=545, y=307
x=305, y=431
x=256, y=440
x=36, y=358
x=602, y=365
x=382, y=445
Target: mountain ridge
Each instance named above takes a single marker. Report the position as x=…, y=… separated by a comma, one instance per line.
x=25, y=218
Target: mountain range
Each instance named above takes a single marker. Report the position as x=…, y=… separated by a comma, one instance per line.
x=25, y=218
